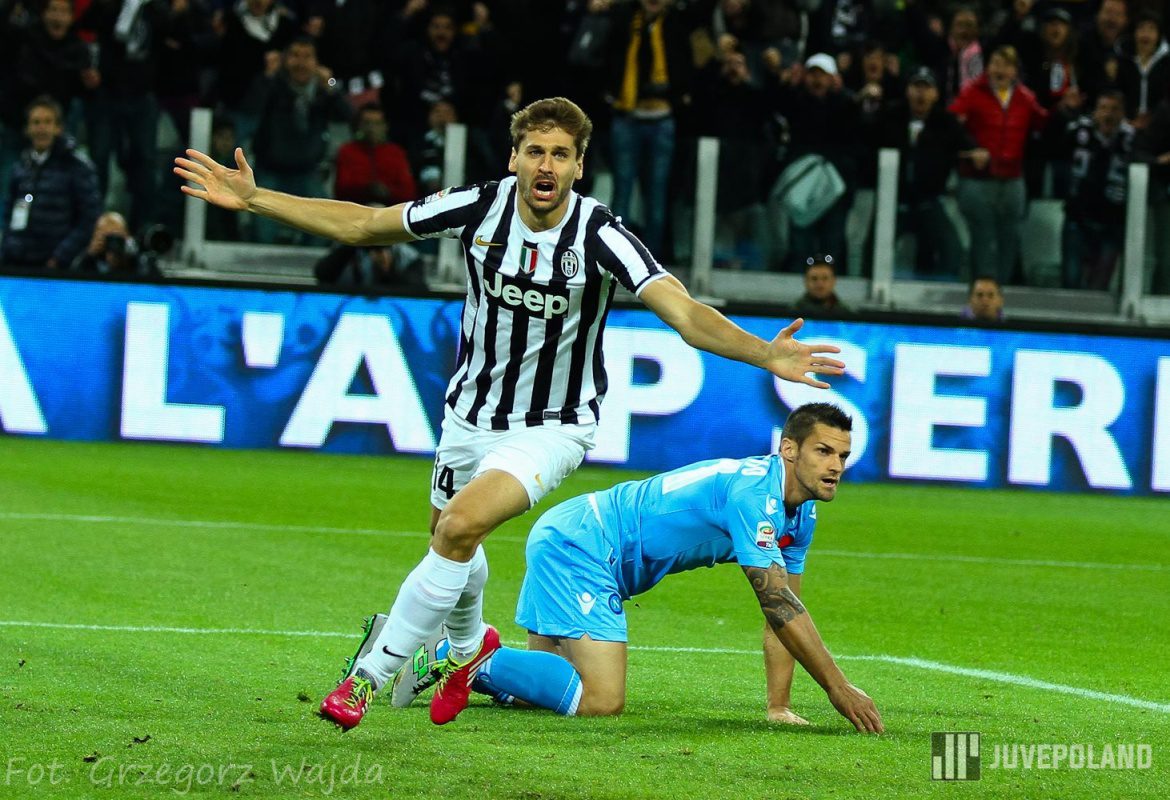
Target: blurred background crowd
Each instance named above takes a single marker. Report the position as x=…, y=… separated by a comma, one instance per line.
x=1000, y=109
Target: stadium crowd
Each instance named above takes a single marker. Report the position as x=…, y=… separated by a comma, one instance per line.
x=993, y=104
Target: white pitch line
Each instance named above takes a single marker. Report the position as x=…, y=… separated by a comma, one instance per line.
x=227, y=525
x=1017, y=680
x=917, y=663
x=1015, y=562
x=260, y=526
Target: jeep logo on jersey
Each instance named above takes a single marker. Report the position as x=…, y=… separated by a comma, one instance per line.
x=569, y=264
x=524, y=296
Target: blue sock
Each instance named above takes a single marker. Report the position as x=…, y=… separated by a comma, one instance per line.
x=541, y=679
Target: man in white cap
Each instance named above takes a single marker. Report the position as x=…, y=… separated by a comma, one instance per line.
x=822, y=120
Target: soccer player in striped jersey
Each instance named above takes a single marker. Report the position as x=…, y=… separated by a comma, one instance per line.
x=522, y=406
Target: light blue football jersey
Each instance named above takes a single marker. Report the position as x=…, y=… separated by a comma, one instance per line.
x=707, y=513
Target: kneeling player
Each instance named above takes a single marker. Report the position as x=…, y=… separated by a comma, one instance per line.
x=589, y=554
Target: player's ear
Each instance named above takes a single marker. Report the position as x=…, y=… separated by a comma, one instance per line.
x=512, y=161
x=580, y=168
x=788, y=450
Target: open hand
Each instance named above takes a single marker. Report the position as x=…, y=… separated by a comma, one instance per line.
x=791, y=360
x=218, y=185
x=857, y=707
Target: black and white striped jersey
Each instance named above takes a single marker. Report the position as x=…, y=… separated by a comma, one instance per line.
x=530, y=345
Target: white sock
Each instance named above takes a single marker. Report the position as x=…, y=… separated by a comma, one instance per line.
x=465, y=627
x=425, y=599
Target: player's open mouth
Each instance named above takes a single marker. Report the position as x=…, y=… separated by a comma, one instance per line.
x=830, y=483
x=544, y=189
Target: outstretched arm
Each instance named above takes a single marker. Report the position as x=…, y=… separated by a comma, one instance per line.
x=705, y=328
x=236, y=190
x=795, y=630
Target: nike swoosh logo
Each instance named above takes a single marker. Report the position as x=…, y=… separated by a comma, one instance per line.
x=482, y=242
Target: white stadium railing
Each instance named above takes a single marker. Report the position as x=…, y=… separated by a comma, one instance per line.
x=883, y=291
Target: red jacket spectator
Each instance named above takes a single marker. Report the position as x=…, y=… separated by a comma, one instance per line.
x=371, y=169
x=1002, y=131
x=373, y=173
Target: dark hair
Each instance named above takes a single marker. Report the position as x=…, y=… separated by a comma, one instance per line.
x=303, y=39
x=443, y=10
x=802, y=420
x=222, y=123
x=552, y=112
x=364, y=109
x=820, y=260
x=1153, y=19
x=1112, y=94
x=45, y=101
x=978, y=278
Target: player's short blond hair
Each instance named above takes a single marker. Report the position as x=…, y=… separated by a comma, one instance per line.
x=553, y=112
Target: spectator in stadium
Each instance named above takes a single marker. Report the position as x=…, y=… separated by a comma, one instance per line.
x=822, y=120
x=348, y=35
x=113, y=252
x=650, y=77
x=391, y=267
x=984, y=300
x=189, y=44
x=508, y=439
x=820, y=288
x=840, y=28
x=52, y=200
x=873, y=77
x=750, y=27
x=1049, y=56
x=1101, y=47
x=953, y=54
x=121, y=112
x=252, y=37
x=44, y=56
x=427, y=155
x=222, y=225
x=1153, y=148
x=1143, y=75
x=440, y=68
x=931, y=142
x=874, y=83
x=1101, y=148
x=728, y=105
x=292, y=140
x=758, y=513
x=1051, y=67
x=372, y=169
x=1000, y=113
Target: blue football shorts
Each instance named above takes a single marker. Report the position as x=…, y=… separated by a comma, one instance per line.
x=570, y=588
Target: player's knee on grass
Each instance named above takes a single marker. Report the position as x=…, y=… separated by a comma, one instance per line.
x=600, y=702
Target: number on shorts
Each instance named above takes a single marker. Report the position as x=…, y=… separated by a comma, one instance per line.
x=444, y=479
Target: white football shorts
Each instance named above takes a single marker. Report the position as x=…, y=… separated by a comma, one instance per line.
x=539, y=457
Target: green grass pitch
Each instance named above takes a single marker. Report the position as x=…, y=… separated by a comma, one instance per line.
x=215, y=595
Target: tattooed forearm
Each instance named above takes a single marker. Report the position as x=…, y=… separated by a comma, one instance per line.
x=779, y=604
